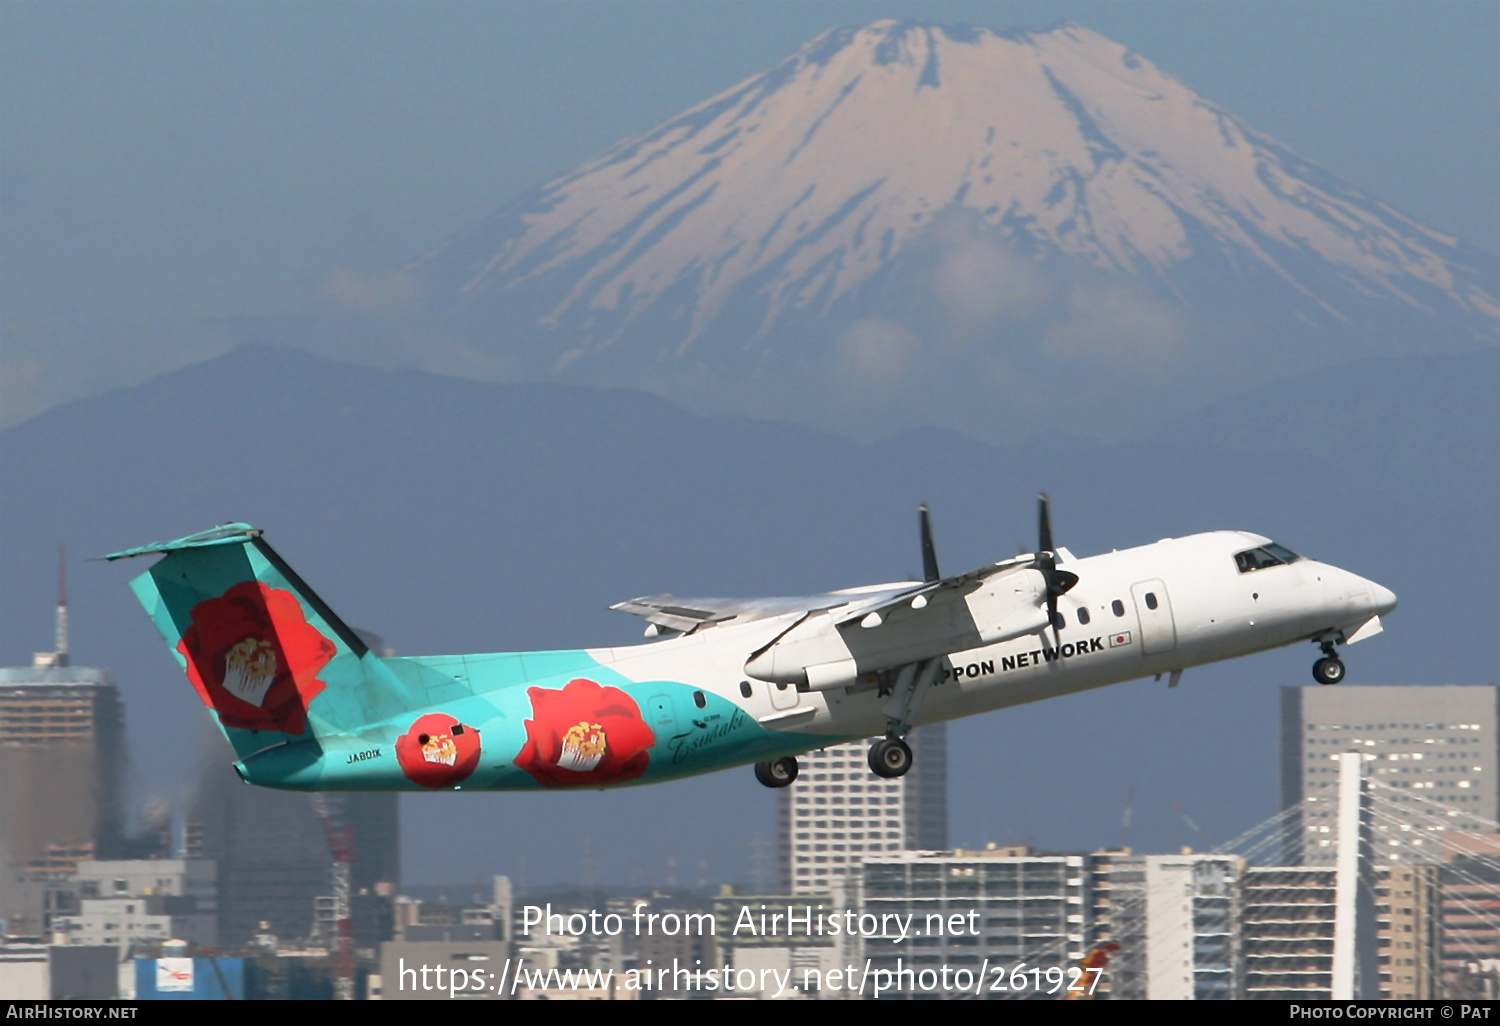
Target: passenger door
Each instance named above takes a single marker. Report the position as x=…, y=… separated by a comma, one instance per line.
x=1154, y=611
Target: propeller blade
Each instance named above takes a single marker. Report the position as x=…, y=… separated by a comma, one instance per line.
x=1044, y=522
x=929, y=553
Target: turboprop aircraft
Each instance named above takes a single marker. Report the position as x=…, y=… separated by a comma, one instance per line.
x=306, y=704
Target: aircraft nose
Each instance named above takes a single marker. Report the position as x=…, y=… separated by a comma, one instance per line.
x=1385, y=599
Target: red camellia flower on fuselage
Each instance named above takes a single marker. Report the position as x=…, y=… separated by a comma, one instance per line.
x=585, y=734
x=438, y=751
x=253, y=657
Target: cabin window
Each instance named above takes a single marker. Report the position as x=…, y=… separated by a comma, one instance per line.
x=699, y=700
x=1083, y=614
x=1150, y=600
x=745, y=688
x=1059, y=621
x=1118, y=607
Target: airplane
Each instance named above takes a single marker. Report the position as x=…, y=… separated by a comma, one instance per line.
x=307, y=705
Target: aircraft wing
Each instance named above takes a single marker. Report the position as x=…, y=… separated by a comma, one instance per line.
x=933, y=592
x=686, y=614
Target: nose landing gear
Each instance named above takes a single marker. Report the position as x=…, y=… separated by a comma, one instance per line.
x=1329, y=669
x=777, y=772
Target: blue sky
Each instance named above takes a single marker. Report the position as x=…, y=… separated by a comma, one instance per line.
x=168, y=162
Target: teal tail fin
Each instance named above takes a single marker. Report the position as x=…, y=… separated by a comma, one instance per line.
x=268, y=657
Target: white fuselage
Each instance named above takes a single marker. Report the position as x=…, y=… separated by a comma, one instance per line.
x=1154, y=609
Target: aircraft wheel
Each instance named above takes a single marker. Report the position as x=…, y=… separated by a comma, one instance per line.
x=890, y=757
x=1328, y=670
x=778, y=772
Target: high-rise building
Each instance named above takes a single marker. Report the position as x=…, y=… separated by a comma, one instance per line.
x=1469, y=893
x=61, y=753
x=1408, y=919
x=62, y=750
x=1117, y=915
x=274, y=860
x=1287, y=921
x=1007, y=905
x=1432, y=746
x=1287, y=915
x=272, y=856
x=1176, y=919
x=837, y=812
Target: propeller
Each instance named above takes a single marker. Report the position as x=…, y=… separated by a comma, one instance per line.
x=1059, y=582
x=929, y=554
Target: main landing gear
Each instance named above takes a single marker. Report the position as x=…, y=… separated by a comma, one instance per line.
x=1329, y=669
x=890, y=757
x=778, y=772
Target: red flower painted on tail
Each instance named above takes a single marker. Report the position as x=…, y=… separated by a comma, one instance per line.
x=254, y=658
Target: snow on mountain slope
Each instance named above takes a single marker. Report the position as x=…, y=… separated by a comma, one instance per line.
x=1049, y=196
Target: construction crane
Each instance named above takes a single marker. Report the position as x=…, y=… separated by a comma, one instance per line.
x=1194, y=827
x=341, y=846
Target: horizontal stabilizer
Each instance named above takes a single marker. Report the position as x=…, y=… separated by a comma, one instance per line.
x=225, y=534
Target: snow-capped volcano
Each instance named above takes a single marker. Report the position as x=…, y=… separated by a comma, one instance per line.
x=938, y=209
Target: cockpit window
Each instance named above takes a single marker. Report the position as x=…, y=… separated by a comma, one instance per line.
x=1266, y=555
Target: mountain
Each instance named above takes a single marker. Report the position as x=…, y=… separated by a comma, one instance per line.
x=1000, y=232
x=1426, y=425
x=452, y=516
